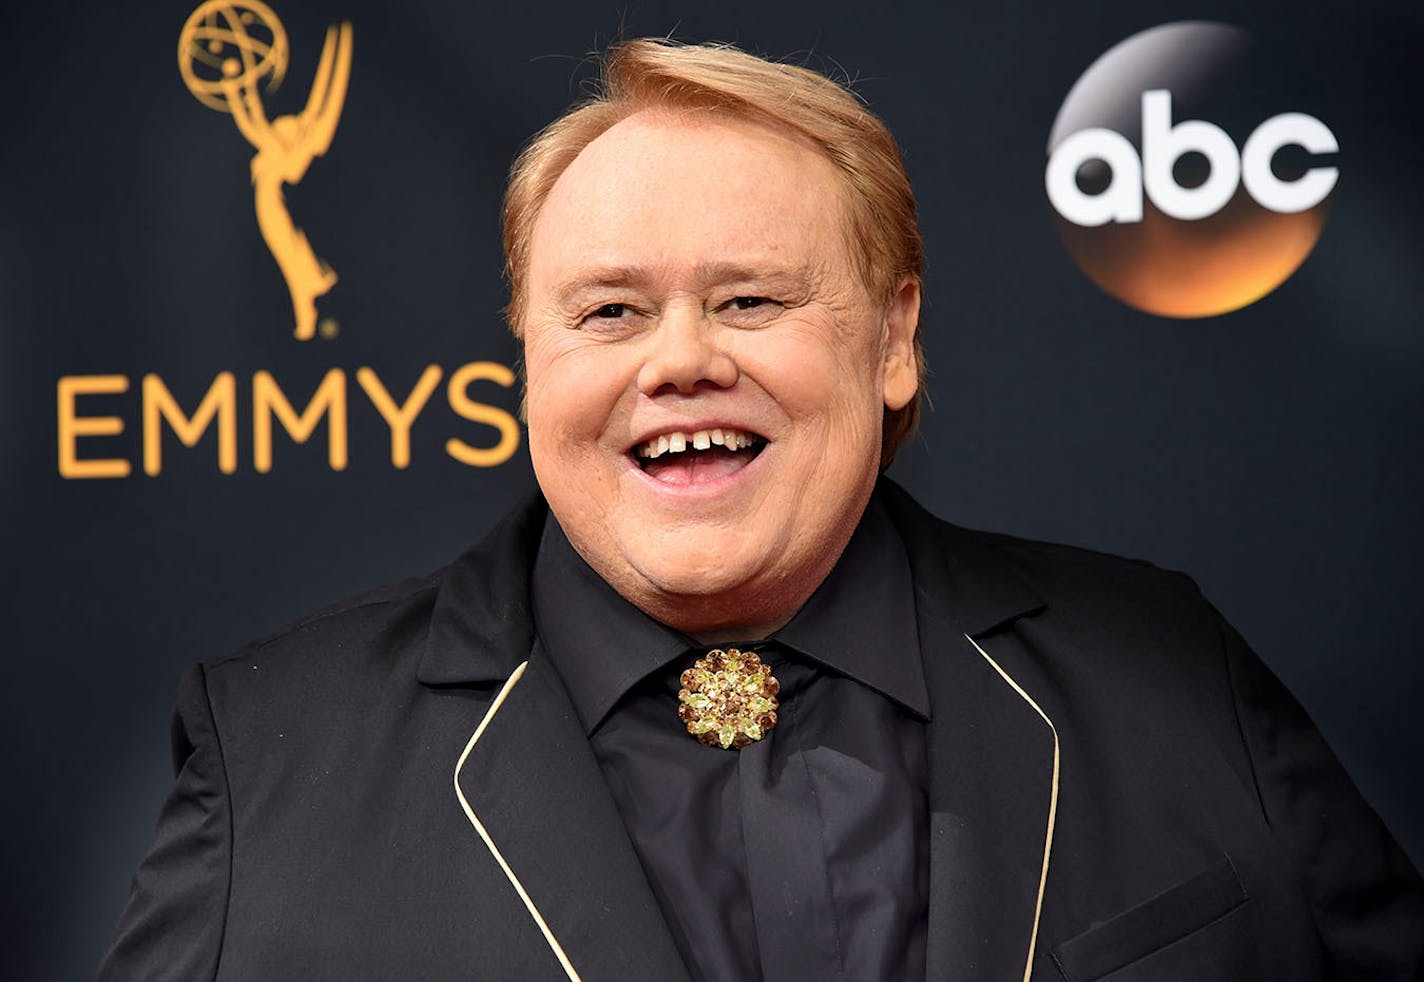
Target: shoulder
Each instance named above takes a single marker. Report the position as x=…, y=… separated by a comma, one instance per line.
x=336, y=669
x=1099, y=628
x=1067, y=580
x=469, y=611
x=1082, y=578
x=394, y=612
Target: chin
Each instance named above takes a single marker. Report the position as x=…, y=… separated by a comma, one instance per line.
x=746, y=595
x=698, y=573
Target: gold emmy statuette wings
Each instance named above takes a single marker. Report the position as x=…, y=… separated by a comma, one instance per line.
x=240, y=43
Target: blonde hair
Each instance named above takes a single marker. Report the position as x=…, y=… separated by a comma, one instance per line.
x=883, y=230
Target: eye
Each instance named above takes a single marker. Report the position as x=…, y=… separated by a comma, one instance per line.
x=615, y=317
x=750, y=311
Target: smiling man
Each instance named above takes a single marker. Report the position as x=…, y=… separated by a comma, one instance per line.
x=708, y=372
x=722, y=703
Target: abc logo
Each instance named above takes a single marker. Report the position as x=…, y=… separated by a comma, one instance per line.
x=1158, y=205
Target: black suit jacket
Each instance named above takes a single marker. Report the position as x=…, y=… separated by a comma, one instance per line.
x=398, y=787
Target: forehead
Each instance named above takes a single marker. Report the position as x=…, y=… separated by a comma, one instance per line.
x=691, y=190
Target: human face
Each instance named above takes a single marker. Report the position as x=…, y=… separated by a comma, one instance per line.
x=690, y=275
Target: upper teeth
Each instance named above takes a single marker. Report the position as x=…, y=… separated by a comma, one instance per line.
x=678, y=441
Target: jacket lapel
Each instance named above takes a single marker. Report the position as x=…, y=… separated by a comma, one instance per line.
x=527, y=780
x=993, y=756
x=993, y=793
x=534, y=792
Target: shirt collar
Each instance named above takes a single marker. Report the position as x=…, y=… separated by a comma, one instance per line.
x=860, y=622
x=861, y=619
x=600, y=644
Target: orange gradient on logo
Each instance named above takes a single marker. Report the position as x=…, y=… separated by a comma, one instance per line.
x=1183, y=269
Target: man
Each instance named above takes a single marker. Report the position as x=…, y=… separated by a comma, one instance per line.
x=565, y=754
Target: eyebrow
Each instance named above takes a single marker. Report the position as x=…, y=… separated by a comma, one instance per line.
x=705, y=274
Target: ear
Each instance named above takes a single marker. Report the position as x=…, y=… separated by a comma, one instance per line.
x=902, y=319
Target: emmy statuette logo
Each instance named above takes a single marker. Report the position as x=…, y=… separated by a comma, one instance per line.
x=110, y=424
x=225, y=51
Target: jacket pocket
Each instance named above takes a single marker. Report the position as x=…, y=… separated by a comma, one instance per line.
x=1167, y=918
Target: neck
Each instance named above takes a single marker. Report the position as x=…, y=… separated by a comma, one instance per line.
x=729, y=635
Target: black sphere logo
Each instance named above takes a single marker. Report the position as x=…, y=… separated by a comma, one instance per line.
x=1181, y=182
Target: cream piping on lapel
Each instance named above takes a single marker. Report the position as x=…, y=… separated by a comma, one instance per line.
x=1052, y=802
x=494, y=850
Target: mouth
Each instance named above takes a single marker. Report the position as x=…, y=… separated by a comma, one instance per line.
x=685, y=457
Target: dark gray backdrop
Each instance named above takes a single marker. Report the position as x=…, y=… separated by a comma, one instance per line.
x=1273, y=452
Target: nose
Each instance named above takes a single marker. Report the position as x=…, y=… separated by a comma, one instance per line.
x=686, y=354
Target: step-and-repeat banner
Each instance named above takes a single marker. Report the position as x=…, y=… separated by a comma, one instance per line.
x=252, y=356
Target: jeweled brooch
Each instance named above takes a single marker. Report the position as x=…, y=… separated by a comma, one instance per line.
x=728, y=698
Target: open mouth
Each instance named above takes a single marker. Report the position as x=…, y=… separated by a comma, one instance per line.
x=682, y=457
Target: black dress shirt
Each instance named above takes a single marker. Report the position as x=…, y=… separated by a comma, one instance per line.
x=802, y=856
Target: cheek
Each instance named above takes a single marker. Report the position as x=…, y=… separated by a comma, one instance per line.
x=823, y=384
x=569, y=391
